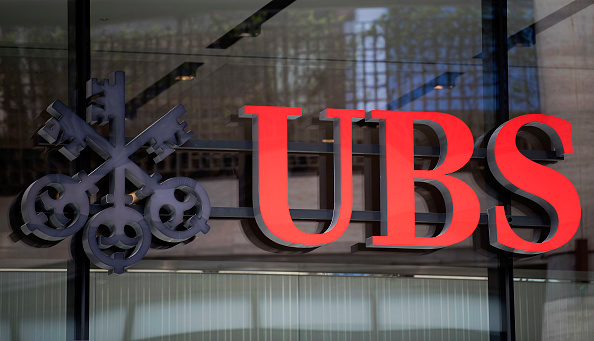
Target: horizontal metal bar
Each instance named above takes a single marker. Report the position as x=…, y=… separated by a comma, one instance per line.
x=356, y=216
x=328, y=148
x=358, y=149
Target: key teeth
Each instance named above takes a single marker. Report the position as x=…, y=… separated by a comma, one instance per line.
x=51, y=131
x=94, y=87
x=72, y=150
x=97, y=114
x=117, y=78
x=183, y=136
x=56, y=108
x=165, y=151
x=161, y=150
x=154, y=149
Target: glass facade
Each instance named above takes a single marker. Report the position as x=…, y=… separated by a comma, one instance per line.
x=484, y=62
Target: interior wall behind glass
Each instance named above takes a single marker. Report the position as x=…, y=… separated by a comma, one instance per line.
x=548, y=309
x=32, y=305
x=191, y=306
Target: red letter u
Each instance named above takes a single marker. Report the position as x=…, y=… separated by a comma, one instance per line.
x=271, y=197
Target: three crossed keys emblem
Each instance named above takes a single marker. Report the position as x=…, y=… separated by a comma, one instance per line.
x=116, y=234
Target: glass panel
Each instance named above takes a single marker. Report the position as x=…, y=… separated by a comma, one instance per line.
x=551, y=305
x=551, y=72
x=315, y=56
x=33, y=305
x=351, y=55
x=214, y=58
x=333, y=56
x=33, y=74
x=181, y=305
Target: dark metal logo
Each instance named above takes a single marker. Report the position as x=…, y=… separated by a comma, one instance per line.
x=119, y=234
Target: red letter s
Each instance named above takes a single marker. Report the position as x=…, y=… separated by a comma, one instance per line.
x=546, y=187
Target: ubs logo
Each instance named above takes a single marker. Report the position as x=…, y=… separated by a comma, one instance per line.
x=548, y=188
x=117, y=235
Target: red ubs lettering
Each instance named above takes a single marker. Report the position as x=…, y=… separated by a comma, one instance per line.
x=548, y=188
